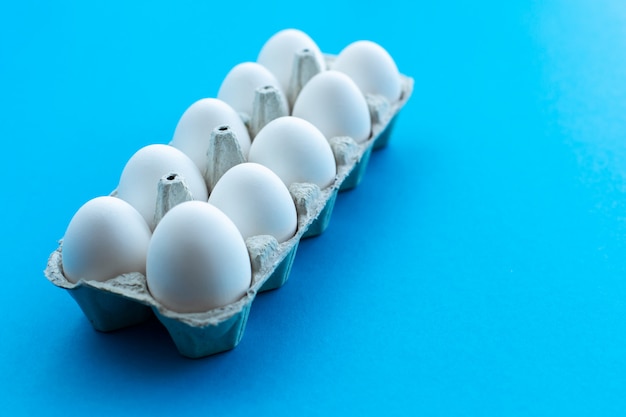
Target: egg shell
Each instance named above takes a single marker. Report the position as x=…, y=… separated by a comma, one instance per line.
x=105, y=238
x=277, y=54
x=197, y=259
x=334, y=104
x=139, y=181
x=372, y=69
x=124, y=300
x=198, y=121
x=296, y=151
x=239, y=86
x=257, y=201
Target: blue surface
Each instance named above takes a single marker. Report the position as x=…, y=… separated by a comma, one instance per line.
x=478, y=269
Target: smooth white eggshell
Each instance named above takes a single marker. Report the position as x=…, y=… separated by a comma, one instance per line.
x=296, y=151
x=239, y=86
x=372, y=69
x=257, y=201
x=198, y=121
x=139, y=180
x=106, y=237
x=277, y=54
x=335, y=105
x=197, y=259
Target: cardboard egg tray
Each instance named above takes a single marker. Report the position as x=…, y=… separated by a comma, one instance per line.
x=124, y=301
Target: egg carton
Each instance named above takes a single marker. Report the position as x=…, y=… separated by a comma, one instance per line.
x=124, y=301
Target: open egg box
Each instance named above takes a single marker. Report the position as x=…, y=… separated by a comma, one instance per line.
x=124, y=301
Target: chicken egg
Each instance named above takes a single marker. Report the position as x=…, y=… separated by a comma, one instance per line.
x=106, y=237
x=296, y=151
x=257, y=201
x=198, y=121
x=277, y=54
x=335, y=105
x=372, y=69
x=197, y=259
x=140, y=178
x=239, y=86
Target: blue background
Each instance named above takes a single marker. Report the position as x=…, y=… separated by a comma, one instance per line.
x=478, y=269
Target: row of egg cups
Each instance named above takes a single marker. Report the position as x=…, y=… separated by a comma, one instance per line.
x=125, y=300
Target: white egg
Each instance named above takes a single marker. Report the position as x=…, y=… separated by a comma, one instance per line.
x=278, y=52
x=239, y=86
x=257, y=201
x=196, y=124
x=106, y=237
x=140, y=178
x=335, y=105
x=296, y=151
x=197, y=259
x=372, y=69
